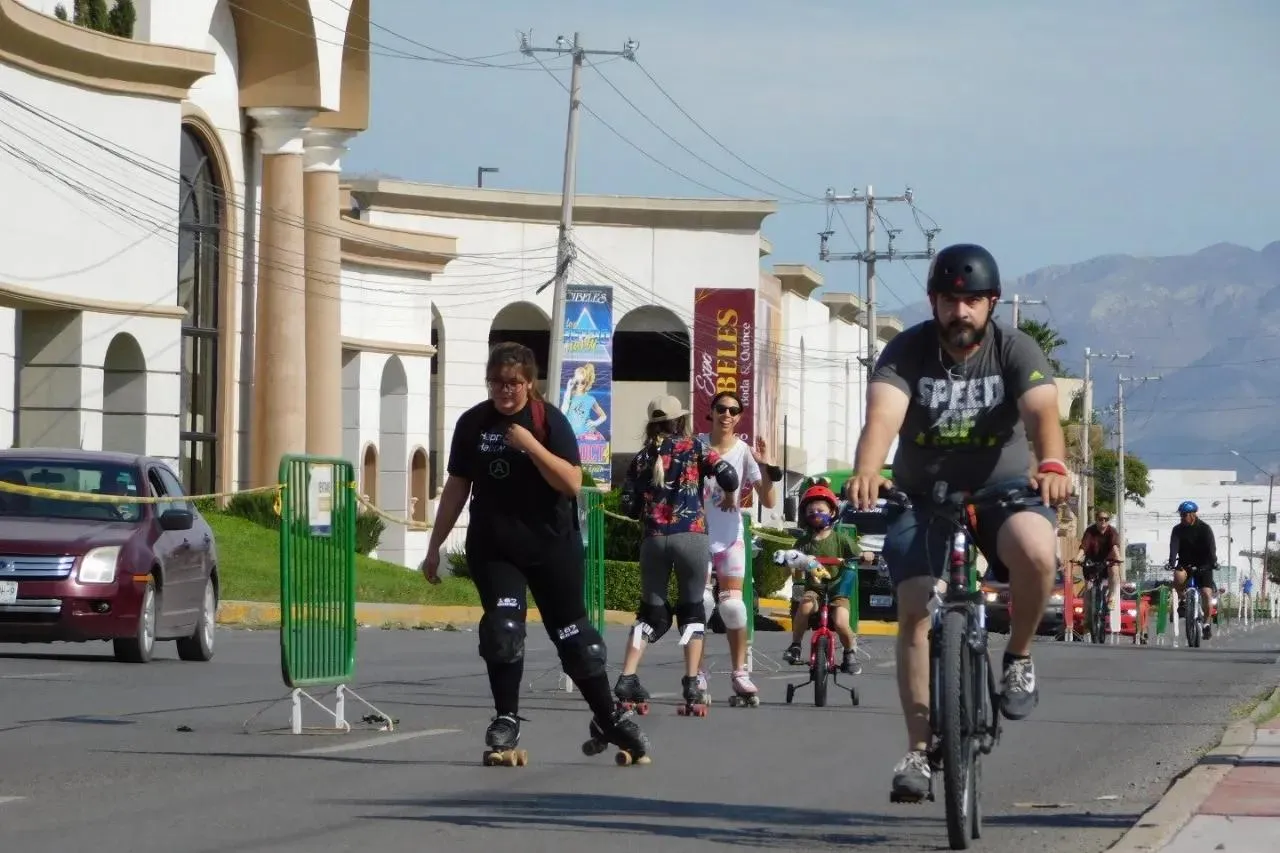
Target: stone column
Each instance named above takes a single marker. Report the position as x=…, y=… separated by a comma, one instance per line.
x=321, y=168
x=280, y=367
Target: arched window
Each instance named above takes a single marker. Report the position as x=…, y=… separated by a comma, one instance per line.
x=199, y=266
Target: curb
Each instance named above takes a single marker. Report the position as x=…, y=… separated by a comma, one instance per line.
x=265, y=614
x=781, y=613
x=1160, y=824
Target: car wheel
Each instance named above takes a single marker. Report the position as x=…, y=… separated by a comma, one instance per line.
x=138, y=648
x=199, y=646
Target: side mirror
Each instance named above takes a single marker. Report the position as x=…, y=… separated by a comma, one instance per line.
x=177, y=519
x=789, y=506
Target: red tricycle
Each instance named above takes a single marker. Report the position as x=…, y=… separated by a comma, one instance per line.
x=822, y=646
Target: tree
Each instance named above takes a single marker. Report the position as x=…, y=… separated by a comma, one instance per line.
x=118, y=20
x=1137, y=479
x=1273, y=566
x=1049, y=340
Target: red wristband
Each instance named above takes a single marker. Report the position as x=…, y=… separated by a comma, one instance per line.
x=1052, y=466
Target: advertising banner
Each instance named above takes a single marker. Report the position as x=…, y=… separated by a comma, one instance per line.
x=586, y=377
x=768, y=386
x=724, y=355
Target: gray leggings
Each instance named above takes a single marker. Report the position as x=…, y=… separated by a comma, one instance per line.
x=688, y=553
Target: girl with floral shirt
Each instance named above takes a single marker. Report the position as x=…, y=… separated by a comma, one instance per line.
x=663, y=491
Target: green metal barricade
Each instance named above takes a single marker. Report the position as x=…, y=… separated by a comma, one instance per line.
x=317, y=571
x=593, y=556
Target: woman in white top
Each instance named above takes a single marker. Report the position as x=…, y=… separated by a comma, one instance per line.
x=728, y=547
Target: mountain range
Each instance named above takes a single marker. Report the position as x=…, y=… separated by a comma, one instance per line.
x=1207, y=324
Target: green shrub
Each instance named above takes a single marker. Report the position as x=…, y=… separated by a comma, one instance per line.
x=260, y=508
x=457, y=559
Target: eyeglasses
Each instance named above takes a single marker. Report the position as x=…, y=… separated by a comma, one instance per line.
x=1104, y=518
x=722, y=409
x=511, y=385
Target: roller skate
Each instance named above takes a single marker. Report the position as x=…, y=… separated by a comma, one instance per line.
x=704, y=685
x=745, y=694
x=695, y=699
x=850, y=664
x=621, y=731
x=631, y=695
x=502, y=740
x=793, y=654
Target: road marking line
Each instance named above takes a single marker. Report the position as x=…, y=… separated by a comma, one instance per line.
x=21, y=675
x=372, y=742
x=4, y=800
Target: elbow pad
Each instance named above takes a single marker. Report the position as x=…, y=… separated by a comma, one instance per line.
x=726, y=477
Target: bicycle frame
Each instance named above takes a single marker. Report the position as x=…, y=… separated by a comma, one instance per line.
x=829, y=668
x=962, y=594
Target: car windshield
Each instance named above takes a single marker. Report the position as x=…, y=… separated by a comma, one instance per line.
x=84, y=478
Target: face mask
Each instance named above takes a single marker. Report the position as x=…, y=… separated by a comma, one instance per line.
x=819, y=520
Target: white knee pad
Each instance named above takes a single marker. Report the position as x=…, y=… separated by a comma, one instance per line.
x=708, y=602
x=733, y=611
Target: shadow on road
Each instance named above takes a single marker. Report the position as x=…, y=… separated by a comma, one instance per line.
x=726, y=823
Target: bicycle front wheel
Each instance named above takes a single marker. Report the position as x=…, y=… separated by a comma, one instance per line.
x=956, y=727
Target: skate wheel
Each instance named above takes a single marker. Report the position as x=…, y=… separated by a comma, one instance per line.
x=625, y=759
x=642, y=709
x=699, y=710
x=733, y=701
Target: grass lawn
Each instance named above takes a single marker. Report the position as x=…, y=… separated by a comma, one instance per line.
x=249, y=561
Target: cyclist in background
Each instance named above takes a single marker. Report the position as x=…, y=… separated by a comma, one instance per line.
x=1192, y=545
x=1100, y=546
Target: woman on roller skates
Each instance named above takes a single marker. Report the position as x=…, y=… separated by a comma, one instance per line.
x=818, y=509
x=724, y=528
x=663, y=490
x=517, y=459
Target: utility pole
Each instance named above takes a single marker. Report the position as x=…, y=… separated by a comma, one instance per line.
x=869, y=256
x=1253, y=502
x=1121, y=380
x=555, y=354
x=1017, y=301
x=1086, y=451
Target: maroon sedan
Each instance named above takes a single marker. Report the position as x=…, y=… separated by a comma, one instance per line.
x=74, y=570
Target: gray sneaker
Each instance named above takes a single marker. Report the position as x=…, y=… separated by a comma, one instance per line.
x=1020, y=696
x=911, y=778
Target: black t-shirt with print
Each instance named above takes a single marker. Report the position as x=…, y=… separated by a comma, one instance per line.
x=511, y=502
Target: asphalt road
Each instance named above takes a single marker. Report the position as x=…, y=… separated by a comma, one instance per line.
x=93, y=755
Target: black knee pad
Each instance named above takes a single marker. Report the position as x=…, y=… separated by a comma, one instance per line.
x=691, y=613
x=582, y=651
x=501, y=639
x=653, y=620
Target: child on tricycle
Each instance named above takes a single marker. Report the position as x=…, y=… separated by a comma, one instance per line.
x=835, y=551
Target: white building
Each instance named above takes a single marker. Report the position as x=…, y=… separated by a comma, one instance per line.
x=1232, y=508
x=183, y=272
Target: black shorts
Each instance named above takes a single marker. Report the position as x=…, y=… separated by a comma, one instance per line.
x=1204, y=577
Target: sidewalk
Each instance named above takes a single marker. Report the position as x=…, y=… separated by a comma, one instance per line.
x=1229, y=802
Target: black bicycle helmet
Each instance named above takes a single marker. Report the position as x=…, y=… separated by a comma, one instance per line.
x=964, y=268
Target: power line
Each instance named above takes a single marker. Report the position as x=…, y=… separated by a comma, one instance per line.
x=869, y=256
x=555, y=355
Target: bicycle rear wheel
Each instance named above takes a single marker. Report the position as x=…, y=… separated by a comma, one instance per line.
x=956, y=727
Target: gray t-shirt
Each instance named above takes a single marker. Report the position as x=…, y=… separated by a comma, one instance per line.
x=962, y=425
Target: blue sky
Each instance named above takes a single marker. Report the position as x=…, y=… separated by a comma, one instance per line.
x=1051, y=132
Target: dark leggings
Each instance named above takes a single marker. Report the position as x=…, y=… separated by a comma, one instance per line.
x=553, y=575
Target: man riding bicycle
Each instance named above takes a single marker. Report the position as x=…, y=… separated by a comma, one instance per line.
x=1099, y=551
x=963, y=395
x=1192, y=546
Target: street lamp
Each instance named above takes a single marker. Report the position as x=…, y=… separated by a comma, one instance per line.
x=481, y=171
x=1266, y=538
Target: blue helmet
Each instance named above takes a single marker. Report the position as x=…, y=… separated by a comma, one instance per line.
x=1186, y=507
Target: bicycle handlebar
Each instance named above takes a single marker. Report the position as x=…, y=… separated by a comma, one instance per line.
x=1013, y=493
